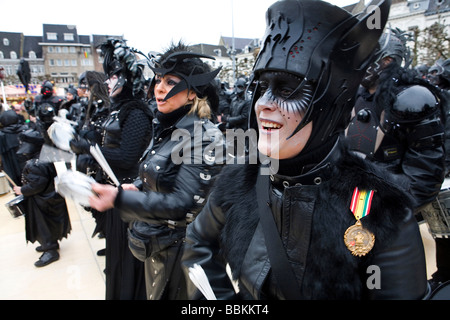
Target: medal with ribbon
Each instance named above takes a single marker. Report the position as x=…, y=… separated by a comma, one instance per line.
x=358, y=239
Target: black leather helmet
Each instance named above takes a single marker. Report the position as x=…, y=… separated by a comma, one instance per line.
x=328, y=48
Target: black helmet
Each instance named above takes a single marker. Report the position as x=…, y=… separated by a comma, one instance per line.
x=82, y=82
x=329, y=49
x=46, y=113
x=72, y=90
x=8, y=118
x=239, y=86
x=439, y=73
x=188, y=66
x=47, y=89
x=121, y=60
x=393, y=44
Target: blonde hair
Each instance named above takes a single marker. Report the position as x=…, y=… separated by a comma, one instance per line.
x=201, y=107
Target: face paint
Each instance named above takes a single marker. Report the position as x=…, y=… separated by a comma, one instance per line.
x=280, y=109
x=113, y=86
x=372, y=75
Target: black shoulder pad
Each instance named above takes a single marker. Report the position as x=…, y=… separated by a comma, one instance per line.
x=414, y=103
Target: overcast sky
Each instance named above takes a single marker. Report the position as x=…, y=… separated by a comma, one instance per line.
x=147, y=25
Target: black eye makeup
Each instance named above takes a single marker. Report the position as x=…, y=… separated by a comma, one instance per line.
x=289, y=92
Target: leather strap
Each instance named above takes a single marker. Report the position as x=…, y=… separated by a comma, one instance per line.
x=281, y=267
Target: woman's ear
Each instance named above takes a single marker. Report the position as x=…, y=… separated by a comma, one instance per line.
x=191, y=95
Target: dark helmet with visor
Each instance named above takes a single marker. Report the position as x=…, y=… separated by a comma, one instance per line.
x=326, y=47
x=47, y=89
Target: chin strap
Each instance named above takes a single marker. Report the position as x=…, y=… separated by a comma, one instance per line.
x=282, y=269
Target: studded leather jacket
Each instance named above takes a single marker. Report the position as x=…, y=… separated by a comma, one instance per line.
x=126, y=134
x=175, y=175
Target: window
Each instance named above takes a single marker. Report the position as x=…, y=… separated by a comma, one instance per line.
x=6, y=42
x=74, y=63
x=65, y=49
x=66, y=63
x=72, y=50
x=59, y=63
x=52, y=36
x=68, y=36
x=13, y=55
x=50, y=49
x=2, y=56
x=32, y=55
x=58, y=49
x=51, y=62
x=8, y=70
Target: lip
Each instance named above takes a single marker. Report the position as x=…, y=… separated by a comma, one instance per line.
x=160, y=101
x=267, y=125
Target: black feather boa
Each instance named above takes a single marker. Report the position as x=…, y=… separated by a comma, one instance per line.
x=327, y=253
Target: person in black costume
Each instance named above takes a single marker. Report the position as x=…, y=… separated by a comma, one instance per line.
x=237, y=118
x=290, y=228
x=46, y=216
x=71, y=98
x=224, y=100
x=239, y=108
x=439, y=75
x=9, y=144
x=398, y=121
x=176, y=171
x=47, y=96
x=97, y=112
x=126, y=134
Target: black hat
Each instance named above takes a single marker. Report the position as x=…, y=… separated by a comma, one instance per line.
x=328, y=48
x=188, y=66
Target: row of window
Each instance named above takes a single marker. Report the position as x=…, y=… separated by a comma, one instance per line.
x=54, y=36
x=57, y=49
x=34, y=69
x=69, y=63
x=13, y=55
x=50, y=36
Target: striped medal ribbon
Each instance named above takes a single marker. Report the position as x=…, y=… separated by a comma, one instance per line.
x=358, y=239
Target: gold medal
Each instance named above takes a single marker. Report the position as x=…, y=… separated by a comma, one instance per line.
x=359, y=240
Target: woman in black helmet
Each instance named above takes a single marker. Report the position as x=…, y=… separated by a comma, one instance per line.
x=126, y=134
x=176, y=170
x=315, y=222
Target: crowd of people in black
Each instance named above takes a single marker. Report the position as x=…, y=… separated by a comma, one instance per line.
x=352, y=149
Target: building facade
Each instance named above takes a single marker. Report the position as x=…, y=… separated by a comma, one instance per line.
x=60, y=55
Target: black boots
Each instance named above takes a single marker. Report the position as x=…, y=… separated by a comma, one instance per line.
x=46, y=258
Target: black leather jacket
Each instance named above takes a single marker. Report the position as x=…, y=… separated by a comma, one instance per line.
x=174, y=191
x=239, y=111
x=312, y=214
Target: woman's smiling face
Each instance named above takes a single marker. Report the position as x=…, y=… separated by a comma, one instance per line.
x=279, y=110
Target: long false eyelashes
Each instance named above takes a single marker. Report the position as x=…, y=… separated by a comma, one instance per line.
x=292, y=106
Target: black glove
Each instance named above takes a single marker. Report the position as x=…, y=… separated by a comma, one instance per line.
x=86, y=163
x=80, y=145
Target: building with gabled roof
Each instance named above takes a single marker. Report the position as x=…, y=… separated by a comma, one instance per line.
x=241, y=45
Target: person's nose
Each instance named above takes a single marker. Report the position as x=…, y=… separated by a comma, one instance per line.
x=265, y=104
x=160, y=87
